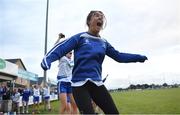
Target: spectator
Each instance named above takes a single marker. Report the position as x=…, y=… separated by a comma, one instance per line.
x=6, y=93
x=16, y=99
x=1, y=91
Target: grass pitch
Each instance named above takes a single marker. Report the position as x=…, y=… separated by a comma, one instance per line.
x=159, y=101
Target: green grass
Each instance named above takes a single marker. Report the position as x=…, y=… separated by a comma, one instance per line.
x=160, y=101
x=54, y=106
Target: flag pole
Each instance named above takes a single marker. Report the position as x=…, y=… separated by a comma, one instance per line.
x=46, y=34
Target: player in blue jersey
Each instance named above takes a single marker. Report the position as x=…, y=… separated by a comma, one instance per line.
x=89, y=52
x=25, y=99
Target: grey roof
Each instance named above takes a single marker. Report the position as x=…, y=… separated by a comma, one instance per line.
x=15, y=60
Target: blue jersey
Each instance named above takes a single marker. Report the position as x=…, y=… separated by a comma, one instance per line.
x=25, y=95
x=1, y=91
x=89, y=53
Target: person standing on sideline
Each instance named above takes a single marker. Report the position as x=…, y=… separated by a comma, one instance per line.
x=25, y=100
x=89, y=52
x=16, y=99
x=36, y=98
x=1, y=91
x=46, y=98
x=66, y=64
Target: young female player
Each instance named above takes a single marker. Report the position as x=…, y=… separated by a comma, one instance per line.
x=64, y=76
x=89, y=52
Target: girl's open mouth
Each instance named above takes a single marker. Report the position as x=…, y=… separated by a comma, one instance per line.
x=99, y=24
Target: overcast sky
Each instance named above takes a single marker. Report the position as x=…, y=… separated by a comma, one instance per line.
x=147, y=27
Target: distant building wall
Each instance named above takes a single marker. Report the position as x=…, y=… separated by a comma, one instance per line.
x=22, y=81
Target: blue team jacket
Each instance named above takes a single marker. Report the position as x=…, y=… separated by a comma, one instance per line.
x=89, y=53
